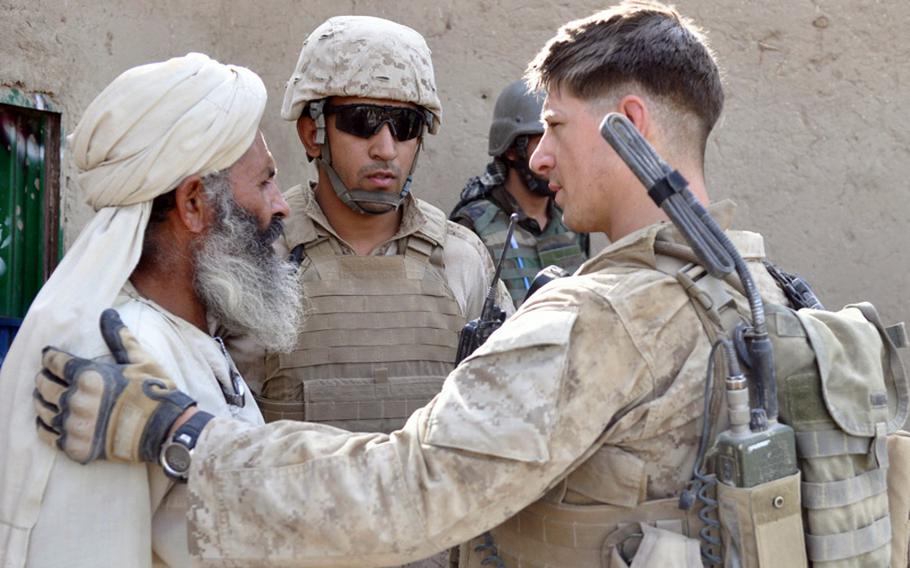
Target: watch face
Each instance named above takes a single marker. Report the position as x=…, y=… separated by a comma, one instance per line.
x=177, y=457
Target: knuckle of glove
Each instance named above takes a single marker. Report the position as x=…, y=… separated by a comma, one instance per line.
x=77, y=438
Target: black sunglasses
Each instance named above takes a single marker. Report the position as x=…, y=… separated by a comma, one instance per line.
x=365, y=120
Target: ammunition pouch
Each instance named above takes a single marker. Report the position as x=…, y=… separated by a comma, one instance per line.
x=762, y=525
x=899, y=496
x=843, y=390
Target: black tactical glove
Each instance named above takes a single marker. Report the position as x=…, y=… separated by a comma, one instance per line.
x=118, y=411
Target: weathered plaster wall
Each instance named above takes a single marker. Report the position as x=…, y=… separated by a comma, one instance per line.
x=813, y=144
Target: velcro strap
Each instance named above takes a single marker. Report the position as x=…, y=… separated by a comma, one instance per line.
x=880, y=445
x=667, y=186
x=898, y=334
x=828, y=548
x=826, y=443
x=419, y=248
x=827, y=494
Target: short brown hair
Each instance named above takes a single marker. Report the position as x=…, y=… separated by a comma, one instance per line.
x=641, y=42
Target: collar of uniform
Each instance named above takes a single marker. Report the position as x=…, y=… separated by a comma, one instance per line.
x=638, y=247
x=308, y=222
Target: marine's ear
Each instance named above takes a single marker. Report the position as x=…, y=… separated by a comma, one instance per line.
x=636, y=110
x=306, y=131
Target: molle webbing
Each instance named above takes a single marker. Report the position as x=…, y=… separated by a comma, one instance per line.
x=378, y=341
x=841, y=416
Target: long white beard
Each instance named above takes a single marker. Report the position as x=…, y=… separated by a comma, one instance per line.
x=244, y=284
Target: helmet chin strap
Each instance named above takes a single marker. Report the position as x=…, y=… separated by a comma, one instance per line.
x=535, y=184
x=381, y=201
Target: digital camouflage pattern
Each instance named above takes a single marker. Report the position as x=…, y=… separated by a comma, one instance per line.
x=362, y=56
x=617, y=347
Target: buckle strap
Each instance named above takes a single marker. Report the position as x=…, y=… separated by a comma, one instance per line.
x=419, y=248
x=707, y=291
x=898, y=335
x=826, y=443
x=827, y=494
x=898, y=374
x=828, y=548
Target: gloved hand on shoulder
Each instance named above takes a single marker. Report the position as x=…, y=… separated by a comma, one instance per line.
x=118, y=411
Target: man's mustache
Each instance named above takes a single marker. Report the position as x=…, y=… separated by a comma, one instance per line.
x=271, y=233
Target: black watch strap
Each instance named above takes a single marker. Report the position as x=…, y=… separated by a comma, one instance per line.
x=176, y=453
x=189, y=431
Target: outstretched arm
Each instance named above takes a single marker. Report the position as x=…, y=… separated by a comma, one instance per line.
x=510, y=421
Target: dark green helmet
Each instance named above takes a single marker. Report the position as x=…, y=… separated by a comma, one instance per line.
x=517, y=113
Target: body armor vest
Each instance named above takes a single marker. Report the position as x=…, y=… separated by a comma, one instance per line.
x=379, y=338
x=528, y=253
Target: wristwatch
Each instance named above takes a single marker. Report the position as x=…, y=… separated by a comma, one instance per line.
x=176, y=453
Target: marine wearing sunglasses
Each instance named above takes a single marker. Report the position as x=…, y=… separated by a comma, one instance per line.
x=365, y=120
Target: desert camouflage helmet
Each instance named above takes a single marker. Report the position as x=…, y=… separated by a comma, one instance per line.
x=517, y=113
x=362, y=56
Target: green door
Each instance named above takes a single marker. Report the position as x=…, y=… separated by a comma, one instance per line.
x=29, y=177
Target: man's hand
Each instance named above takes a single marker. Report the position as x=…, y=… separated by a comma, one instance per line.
x=118, y=411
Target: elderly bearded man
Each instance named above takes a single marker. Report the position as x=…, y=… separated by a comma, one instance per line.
x=170, y=156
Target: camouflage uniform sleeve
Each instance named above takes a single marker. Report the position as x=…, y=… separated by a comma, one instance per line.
x=510, y=422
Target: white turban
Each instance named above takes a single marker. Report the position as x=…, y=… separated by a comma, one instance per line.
x=150, y=128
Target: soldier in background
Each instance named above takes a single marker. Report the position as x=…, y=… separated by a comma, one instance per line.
x=509, y=186
x=388, y=281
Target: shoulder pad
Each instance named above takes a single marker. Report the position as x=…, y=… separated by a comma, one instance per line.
x=473, y=190
x=475, y=209
x=435, y=227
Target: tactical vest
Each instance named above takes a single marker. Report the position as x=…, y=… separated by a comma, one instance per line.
x=843, y=390
x=528, y=254
x=379, y=338
x=842, y=412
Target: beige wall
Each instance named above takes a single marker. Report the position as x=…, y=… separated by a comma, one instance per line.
x=814, y=142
